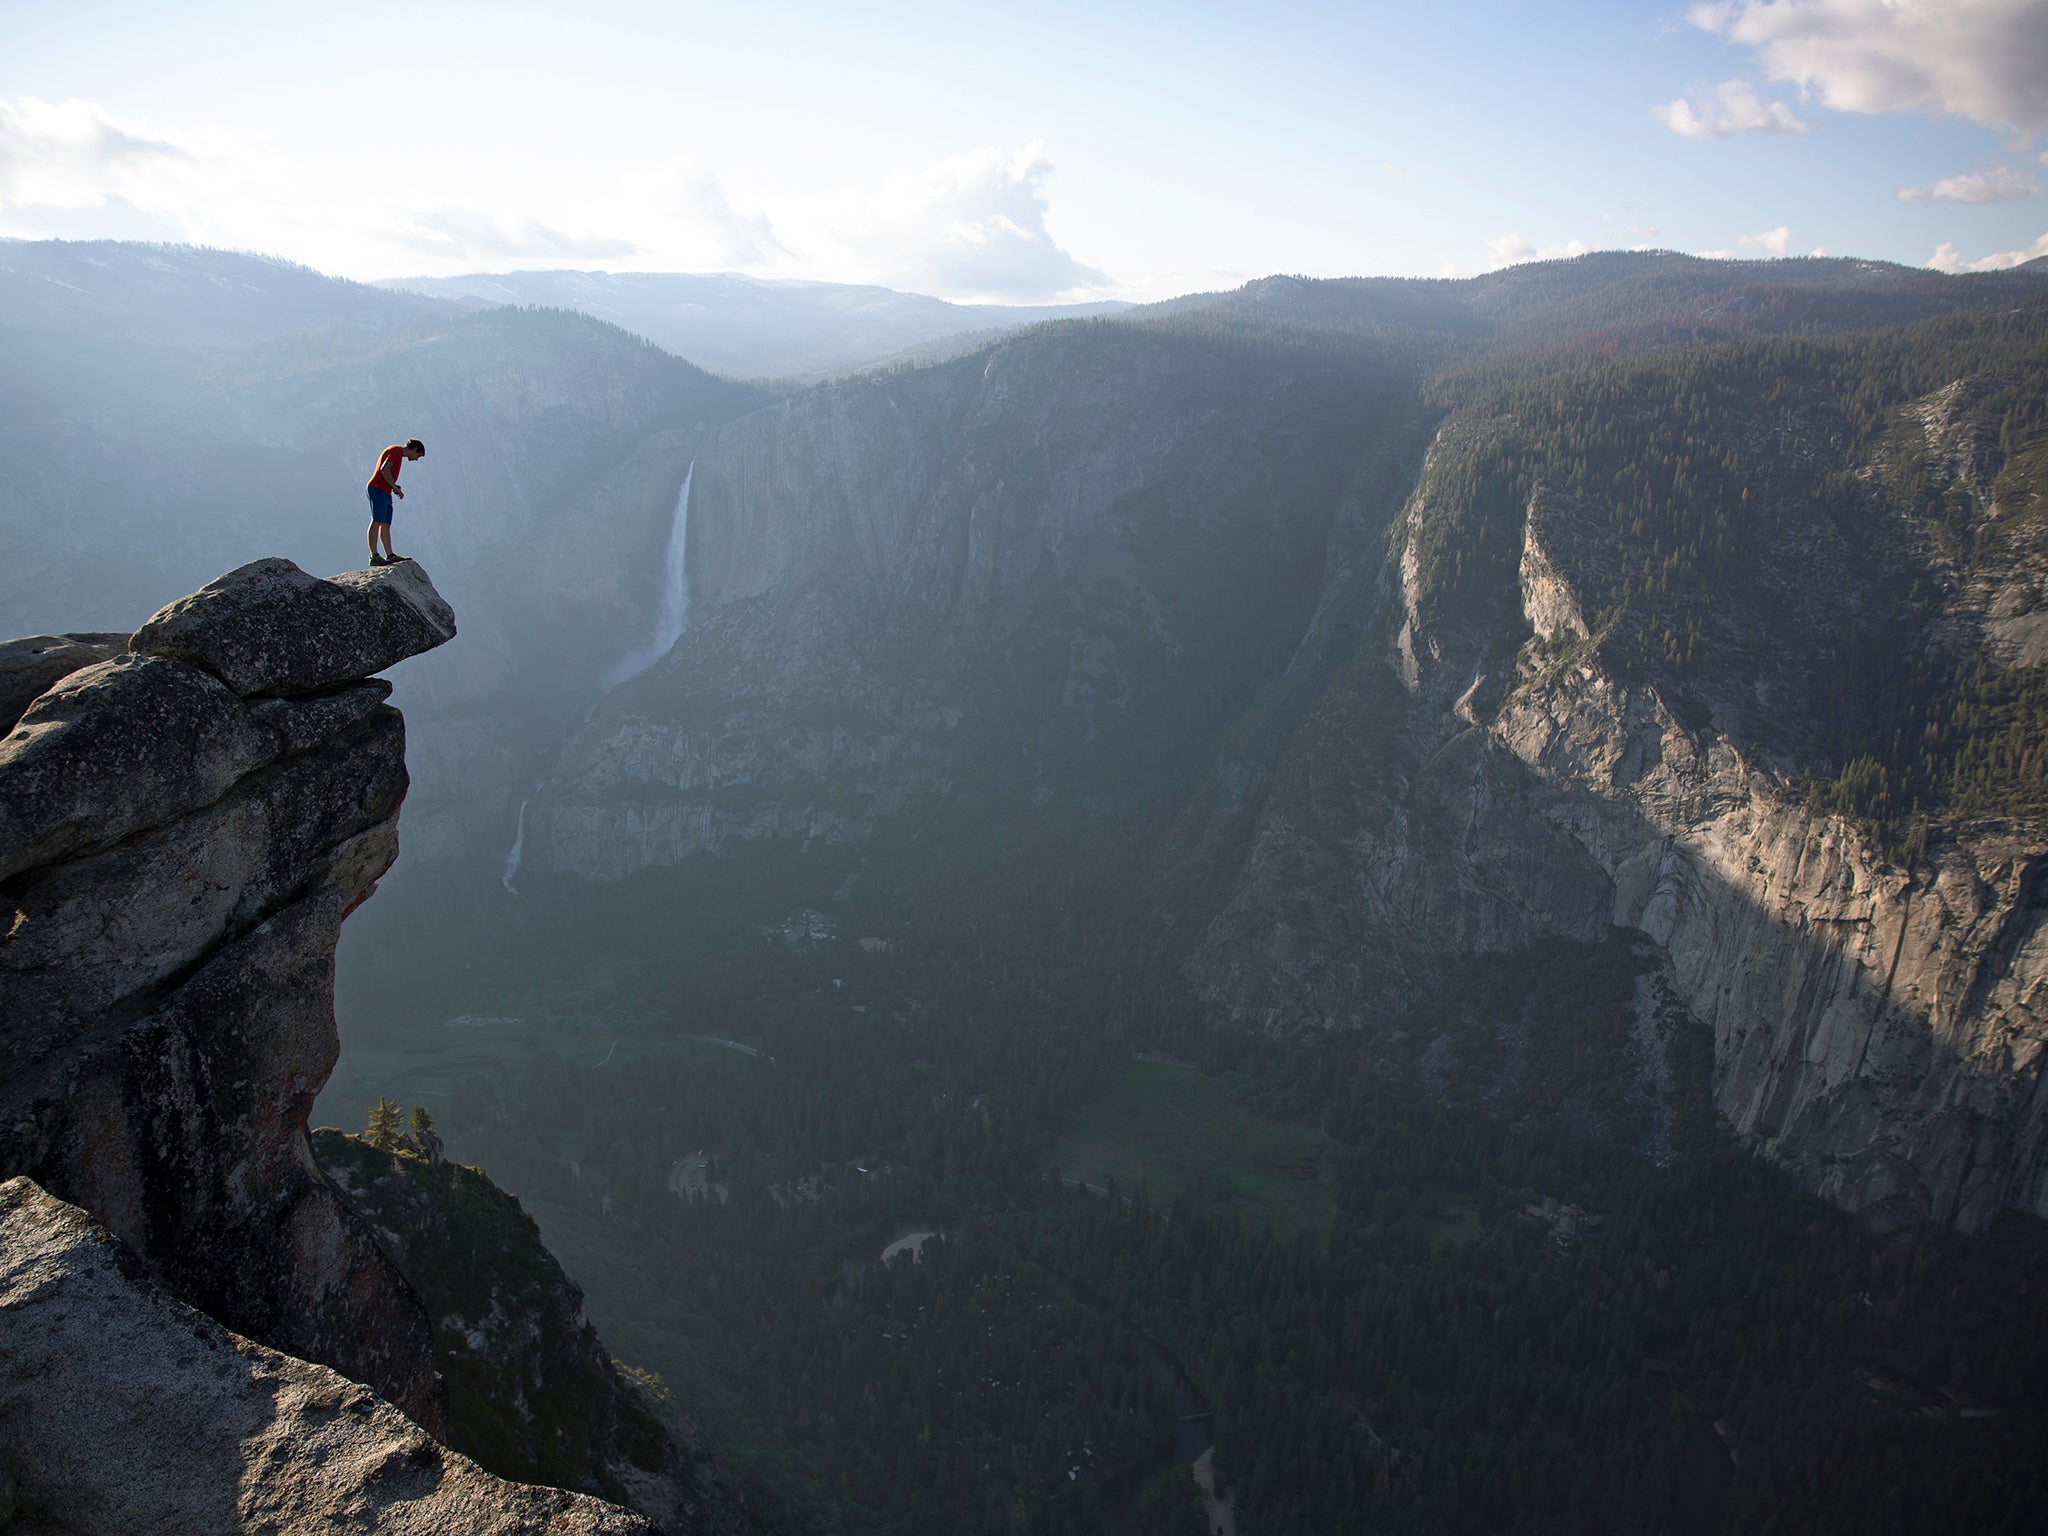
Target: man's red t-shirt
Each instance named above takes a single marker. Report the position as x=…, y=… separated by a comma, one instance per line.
x=385, y=476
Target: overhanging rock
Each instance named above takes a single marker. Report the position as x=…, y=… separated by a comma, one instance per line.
x=267, y=628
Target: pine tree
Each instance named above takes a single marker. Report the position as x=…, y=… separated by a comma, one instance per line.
x=422, y=1122
x=382, y=1131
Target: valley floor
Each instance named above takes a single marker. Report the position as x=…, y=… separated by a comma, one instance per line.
x=1313, y=1267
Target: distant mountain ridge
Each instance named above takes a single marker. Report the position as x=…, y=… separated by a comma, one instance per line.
x=188, y=293
x=752, y=327
x=1611, y=303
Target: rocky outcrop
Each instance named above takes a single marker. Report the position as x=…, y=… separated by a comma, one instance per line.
x=124, y=1410
x=177, y=862
x=269, y=629
x=32, y=665
x=183, y=828
x=532, y=1393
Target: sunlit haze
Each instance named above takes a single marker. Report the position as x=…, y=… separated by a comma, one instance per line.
x=1028, y=154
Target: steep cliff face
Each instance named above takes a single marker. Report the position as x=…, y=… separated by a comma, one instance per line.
x=183, y=827
x=1876, y=1018
x=1536, y=762
x=532, y=1393
x=1877, y=1030
x=178, y=853
x=1029, y=569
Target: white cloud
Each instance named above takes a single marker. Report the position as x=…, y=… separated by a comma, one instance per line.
x=1772, y=242
x=691, y=221
x=74, y=170
x=1945, y=258
x=1994, y=186
x=1984, y=60
x=972, y=226
x=1721, y=111
x=469, y=235
x=72, y=163
x=71, y=154
x=1511, y=250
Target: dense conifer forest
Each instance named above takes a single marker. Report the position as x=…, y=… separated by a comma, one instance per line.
x=1380, y=1329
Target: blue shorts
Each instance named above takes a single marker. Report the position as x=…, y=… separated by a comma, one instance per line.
x=380, y=505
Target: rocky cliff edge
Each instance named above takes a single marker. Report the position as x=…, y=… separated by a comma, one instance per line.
x=183, y=827
x=187, y=1303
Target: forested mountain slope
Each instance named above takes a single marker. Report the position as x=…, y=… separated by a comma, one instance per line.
x=1738, y=639
x=1188, y=619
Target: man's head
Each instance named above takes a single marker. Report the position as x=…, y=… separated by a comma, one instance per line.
x=415, y=449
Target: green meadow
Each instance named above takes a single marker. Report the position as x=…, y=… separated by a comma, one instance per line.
x=1170, y=1127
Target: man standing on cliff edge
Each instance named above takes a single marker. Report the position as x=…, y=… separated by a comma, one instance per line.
x=384, y=486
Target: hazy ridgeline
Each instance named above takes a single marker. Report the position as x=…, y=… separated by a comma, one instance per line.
x=1307, y=685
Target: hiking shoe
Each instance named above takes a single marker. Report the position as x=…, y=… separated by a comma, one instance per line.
x=377, y=560
x=399, y=560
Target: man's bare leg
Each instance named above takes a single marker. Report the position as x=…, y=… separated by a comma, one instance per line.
x=373, y=541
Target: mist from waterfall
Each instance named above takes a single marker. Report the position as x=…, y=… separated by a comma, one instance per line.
x=674, y=612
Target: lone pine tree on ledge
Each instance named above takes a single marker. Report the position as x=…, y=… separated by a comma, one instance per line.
x=385, y=1120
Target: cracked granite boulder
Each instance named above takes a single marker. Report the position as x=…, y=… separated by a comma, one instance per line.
x=269, y=628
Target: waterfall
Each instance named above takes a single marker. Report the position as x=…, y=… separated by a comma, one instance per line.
x=675, y=596
x=518, y=850
x=669, y=620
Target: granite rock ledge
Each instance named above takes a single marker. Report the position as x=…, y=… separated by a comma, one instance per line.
x=175, y=864
x=198, y=1330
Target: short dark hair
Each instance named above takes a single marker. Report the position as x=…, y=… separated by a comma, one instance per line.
x=414, y=445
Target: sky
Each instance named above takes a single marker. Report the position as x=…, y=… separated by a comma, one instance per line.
x=1028, y=153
